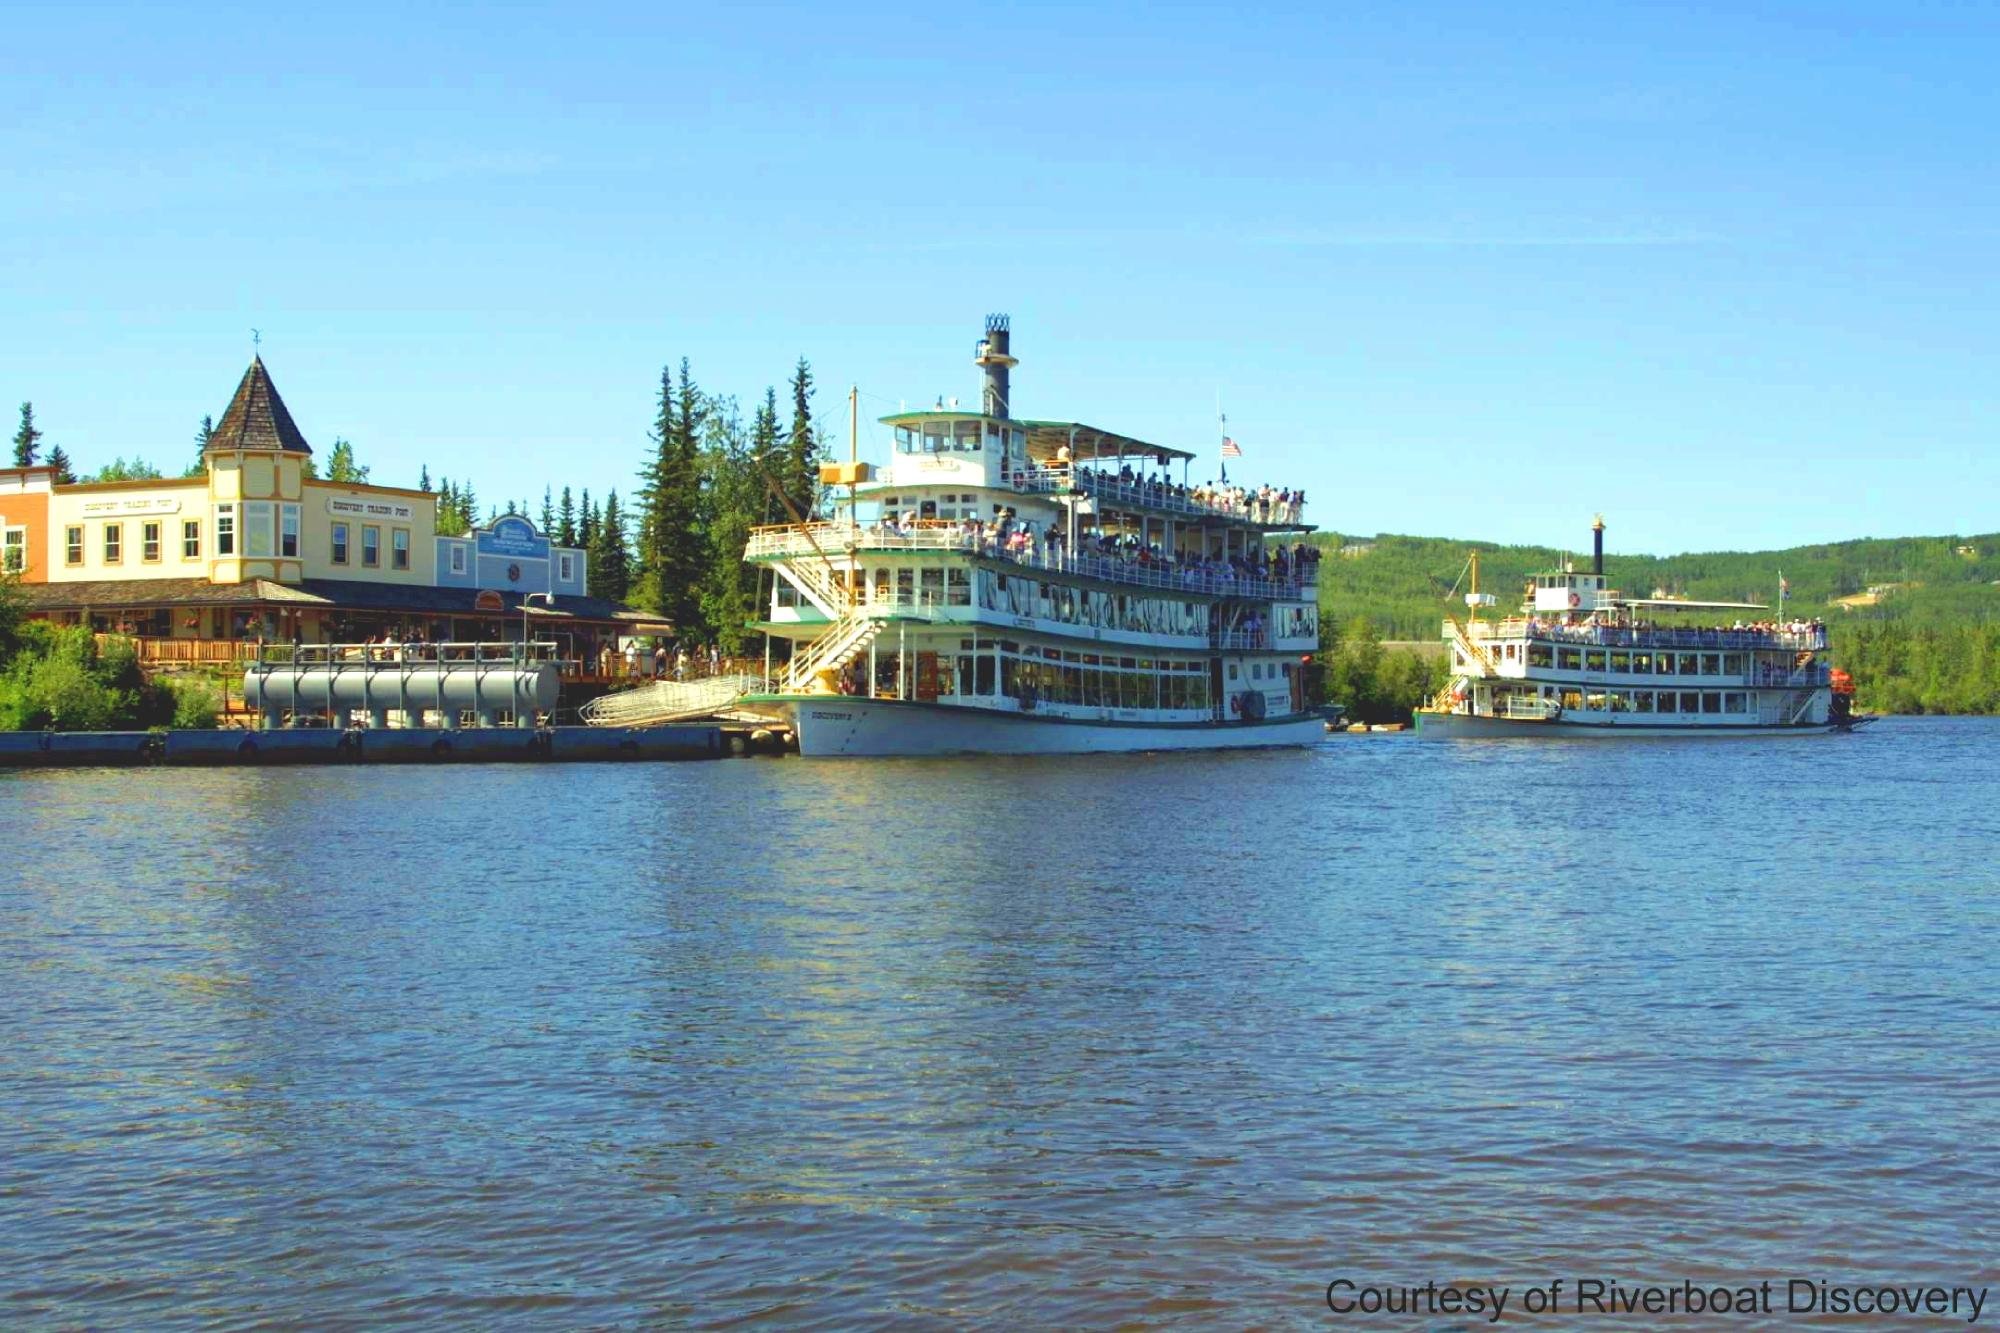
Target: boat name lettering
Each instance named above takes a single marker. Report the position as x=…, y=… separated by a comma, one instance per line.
x=818, y=716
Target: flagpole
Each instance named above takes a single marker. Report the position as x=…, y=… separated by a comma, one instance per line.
x=1221, y=433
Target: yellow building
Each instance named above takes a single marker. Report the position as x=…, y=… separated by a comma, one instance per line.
x=257, y=548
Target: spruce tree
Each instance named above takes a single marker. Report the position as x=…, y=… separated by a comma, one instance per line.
x=468, y=508
x=586, y=525
x=548, y=520
x=202, y=435
x=566, y=520
x=59, y=460
x=610, y=560
x=800, y=475
x=763, y=451
x=27, y=440
x=424, y=478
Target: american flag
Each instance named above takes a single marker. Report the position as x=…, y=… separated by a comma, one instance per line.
x=1230, y=449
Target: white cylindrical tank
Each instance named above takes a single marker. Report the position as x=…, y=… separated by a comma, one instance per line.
x=451, y=688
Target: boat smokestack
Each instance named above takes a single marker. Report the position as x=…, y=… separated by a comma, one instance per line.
x=993, y=358
x=1597, y=546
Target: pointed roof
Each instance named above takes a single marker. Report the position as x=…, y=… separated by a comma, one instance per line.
x=256, y=418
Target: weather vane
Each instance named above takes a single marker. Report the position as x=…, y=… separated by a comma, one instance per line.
x=256, y=342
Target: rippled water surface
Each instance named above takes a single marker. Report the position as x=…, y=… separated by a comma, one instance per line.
x=1166, y=1039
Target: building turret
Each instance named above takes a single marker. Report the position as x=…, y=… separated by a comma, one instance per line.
x=256, y=418
x=995, y=361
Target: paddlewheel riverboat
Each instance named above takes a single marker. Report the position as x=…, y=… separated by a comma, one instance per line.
x=1016, y=586
x=1583, y=660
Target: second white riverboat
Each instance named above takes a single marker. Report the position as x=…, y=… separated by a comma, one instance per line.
x=1584, y=661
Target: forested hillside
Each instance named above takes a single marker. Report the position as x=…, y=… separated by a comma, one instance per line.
x=1916, y=619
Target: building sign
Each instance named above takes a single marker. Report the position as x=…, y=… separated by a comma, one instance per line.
x=393, y=510
x=515, y=538
x=488, y=601
x=136, y=505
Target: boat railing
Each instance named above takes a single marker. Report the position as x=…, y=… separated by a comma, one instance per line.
x=1808, y=639
x=1527, y=708
x=1155, y=496
x=943, y=535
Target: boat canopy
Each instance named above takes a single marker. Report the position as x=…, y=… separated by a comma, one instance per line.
x=1680, y=604
x=1091, y=442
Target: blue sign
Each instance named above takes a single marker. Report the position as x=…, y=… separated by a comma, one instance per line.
x=514, y=537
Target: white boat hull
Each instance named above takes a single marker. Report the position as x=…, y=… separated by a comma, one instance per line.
x=842, y=725
x=1467, y=726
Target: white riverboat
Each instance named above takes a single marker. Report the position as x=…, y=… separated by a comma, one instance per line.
x=1015, y=586
x=1584, y=661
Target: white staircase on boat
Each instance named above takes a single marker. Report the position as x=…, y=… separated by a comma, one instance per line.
x=842, y=642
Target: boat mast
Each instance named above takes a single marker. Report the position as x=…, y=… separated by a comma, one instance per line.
x=853, y=490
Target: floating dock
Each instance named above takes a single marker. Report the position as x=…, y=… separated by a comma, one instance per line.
x=363, y=745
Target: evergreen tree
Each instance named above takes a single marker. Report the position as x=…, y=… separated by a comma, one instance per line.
x=120, y=470
x=736, y=498
x=468, y=508
x=610, y=560
x=202, y=435
x=586, y=528
x=763, y=451
x=548, y=521
x=800, y=475
x=510, y=506
x=59, y=460
x=566, y=520
x=27, y=440
x=424, y=478
x=341, y=467
x=447, y=511
x=673, y=541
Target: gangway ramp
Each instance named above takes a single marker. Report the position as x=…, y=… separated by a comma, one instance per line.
x=668, y=701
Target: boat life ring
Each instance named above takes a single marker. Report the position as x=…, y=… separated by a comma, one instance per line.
x=1253, y=706
x=1575, y=600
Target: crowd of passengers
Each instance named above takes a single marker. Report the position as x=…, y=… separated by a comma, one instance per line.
x=1013, y=538
x=1595, y=628
x=1262, y=504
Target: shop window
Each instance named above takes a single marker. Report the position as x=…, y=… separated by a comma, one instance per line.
x=371, y=545
x=190, y=539
x=114, y=543
x=149, y=541
x=339, y=543
x=73, y=544
x=399, y=548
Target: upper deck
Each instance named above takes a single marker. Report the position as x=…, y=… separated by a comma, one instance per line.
x=1140, y=570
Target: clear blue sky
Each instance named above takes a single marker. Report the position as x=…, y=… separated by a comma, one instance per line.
x=1725, y=273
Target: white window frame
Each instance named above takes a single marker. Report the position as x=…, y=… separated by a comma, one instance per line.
x=340, y=542
x=565, y=567
x=225, y=530
x=73, y=550
x=260, y=538
x=458, y=557
x=399, y=548
x=288, y=532
x=14, y=550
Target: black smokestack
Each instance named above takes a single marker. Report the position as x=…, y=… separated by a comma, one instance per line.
x=1597, y=546
x=994, y=359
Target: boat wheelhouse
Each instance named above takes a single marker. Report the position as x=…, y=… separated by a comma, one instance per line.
x=1007, y=585
x=1583, y=660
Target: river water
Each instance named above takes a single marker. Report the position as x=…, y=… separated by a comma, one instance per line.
x=1006, y=1042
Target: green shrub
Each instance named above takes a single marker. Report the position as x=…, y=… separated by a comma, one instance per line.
x=195, y=702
